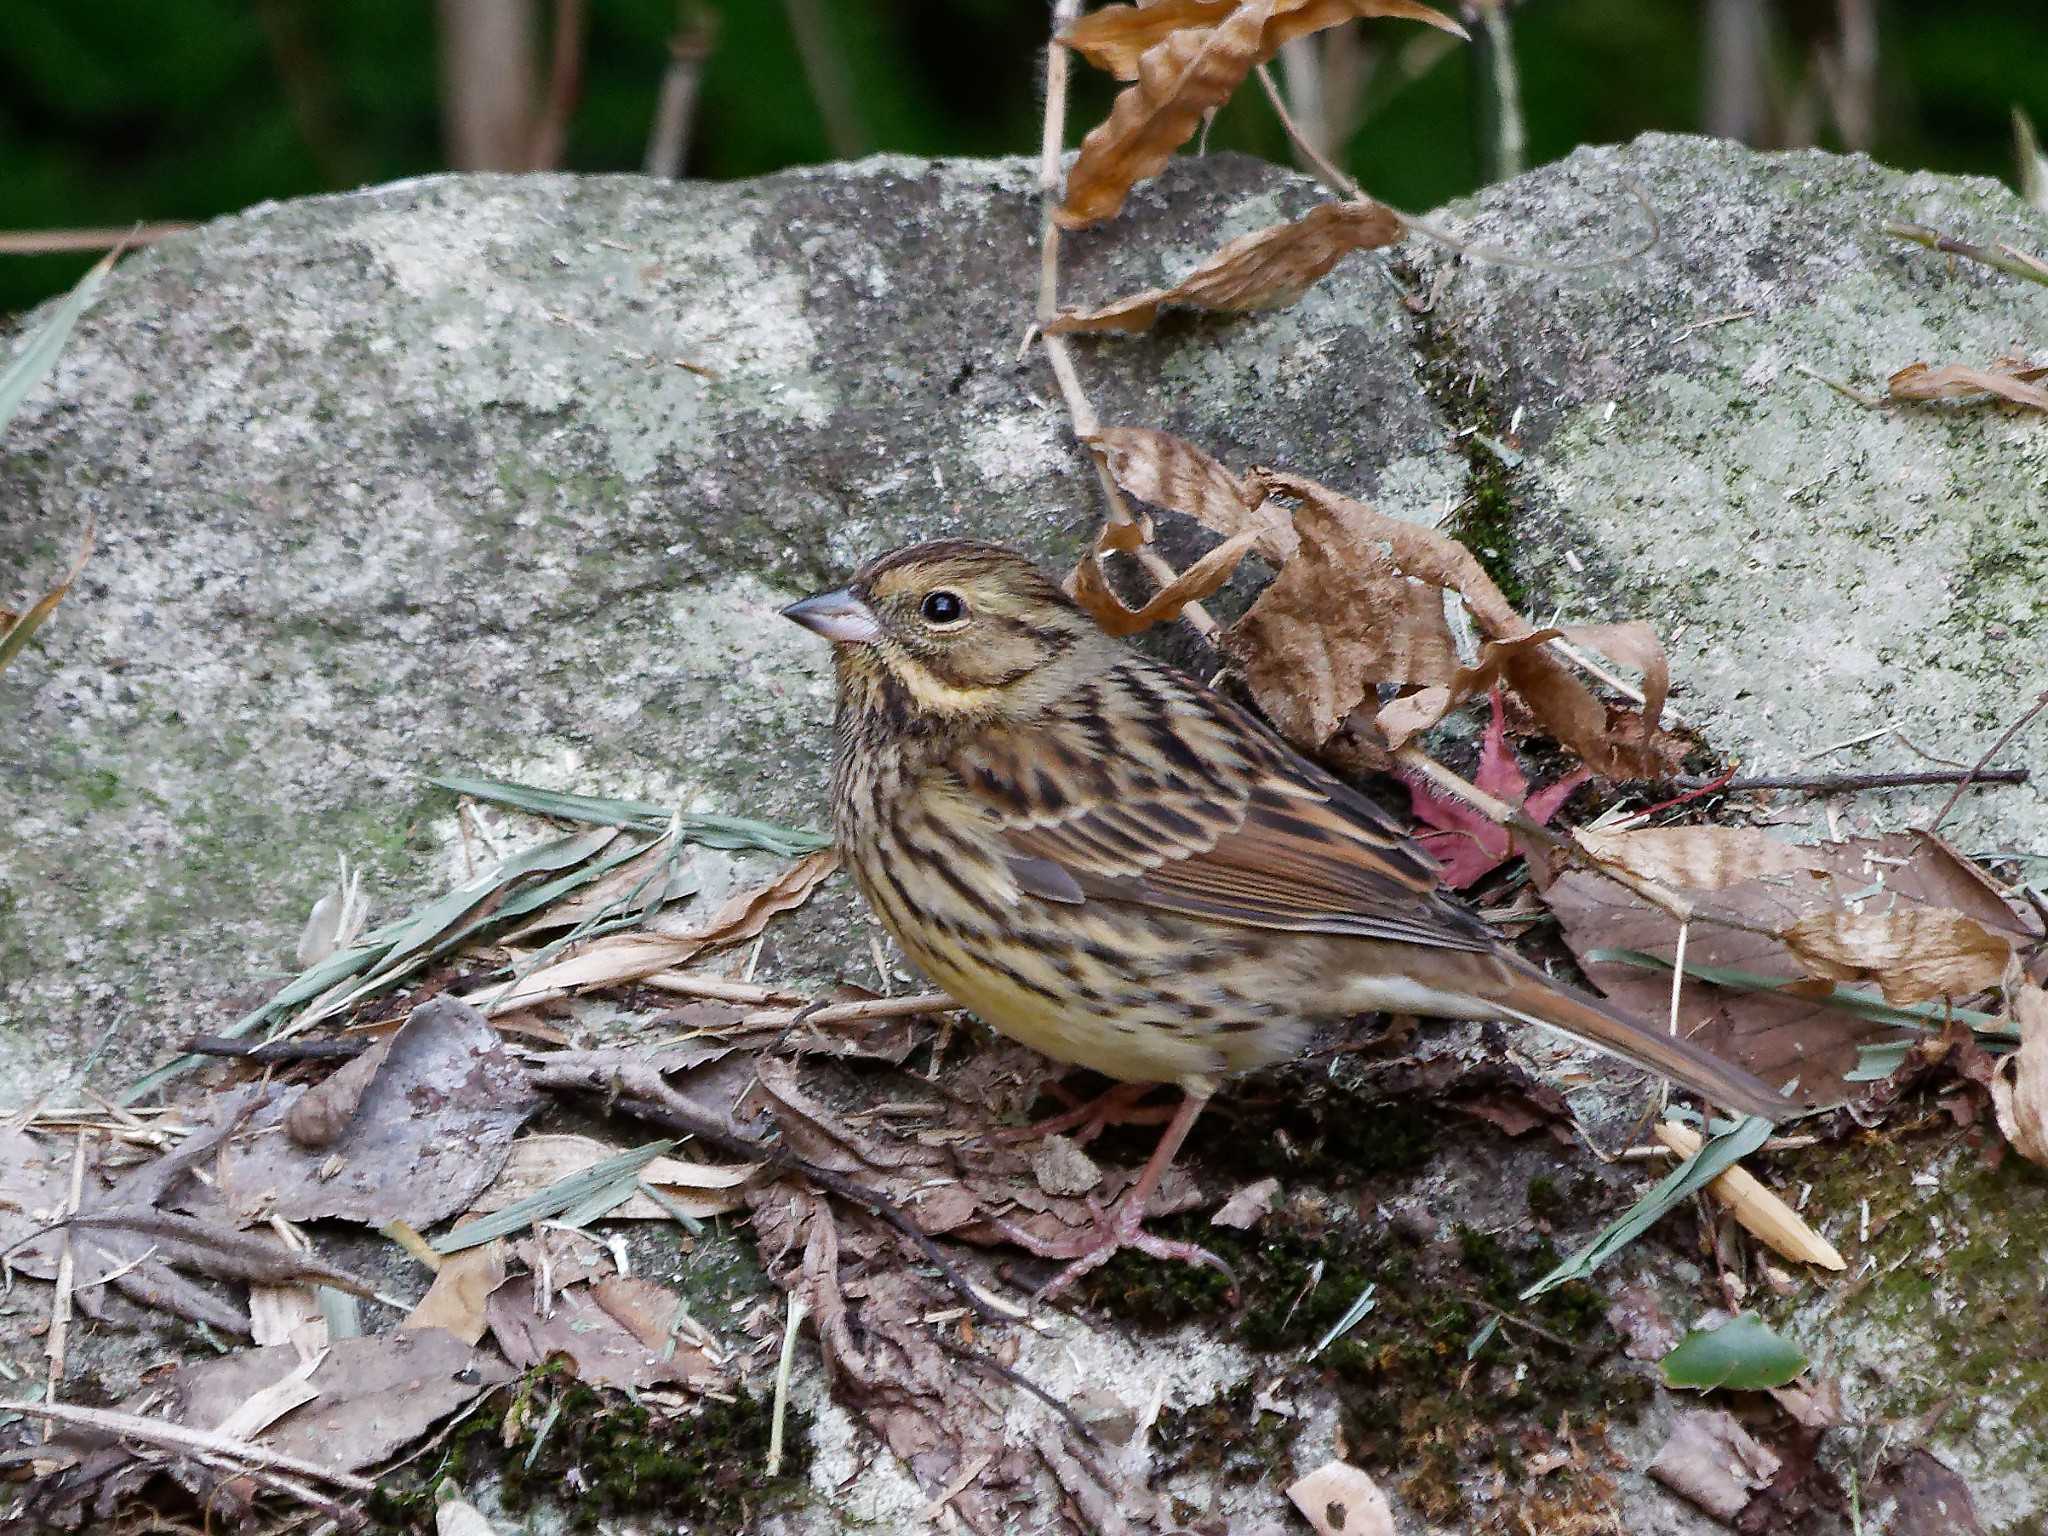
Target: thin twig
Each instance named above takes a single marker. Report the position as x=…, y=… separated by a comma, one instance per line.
x=646, y=1096
x=1080, y=414
x=50, y=242
x=783, y=1369
x=2012, y=263
x=1501, y=126
x=180, y=1437
x=1327, y=173
x=824, y=65
x=1850, y=783
x=1997, y=747
x=67, y=1269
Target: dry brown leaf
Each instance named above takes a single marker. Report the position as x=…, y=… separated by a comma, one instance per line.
x=1339, y=1499
x=1091, y=588
x=324, y=1110
x=1173, y=473
x=1117, y=37
x=1338, y=619
x=462, y=1285
x=2007, y=379
x=627, y=957
x=1780, y=1035
x=1187, y=75
x=1248, y=1207
x=1616, y=743
x=1927, y=1496
x=1912, y=955
x=604, y=1350
x=1267, y=269
x=430, y=1131
x=1699, y=858
x=1713, y=1461
x=2019, y=1089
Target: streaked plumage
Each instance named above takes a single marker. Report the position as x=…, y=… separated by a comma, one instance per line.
x=1114, y=864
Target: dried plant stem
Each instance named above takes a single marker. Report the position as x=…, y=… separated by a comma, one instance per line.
x=2005, y=260
x=719, y=989
x=1326, y=172
x=50, y=242
x=668, y=140
x=67, y=1269
x=1849, y=783
x=179, y=1437
x=784, y=1366
x=1998, y=746
x=1080, y=413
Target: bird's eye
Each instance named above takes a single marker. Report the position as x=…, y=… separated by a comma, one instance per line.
x=942, y=608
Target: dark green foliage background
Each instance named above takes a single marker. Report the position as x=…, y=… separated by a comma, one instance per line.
x=119, y=110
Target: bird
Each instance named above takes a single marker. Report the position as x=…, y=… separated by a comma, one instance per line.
x=1123, y=868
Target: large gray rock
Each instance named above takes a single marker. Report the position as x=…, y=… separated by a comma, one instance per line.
x=414, y=480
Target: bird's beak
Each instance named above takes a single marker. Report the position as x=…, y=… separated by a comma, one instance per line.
x=839, y=616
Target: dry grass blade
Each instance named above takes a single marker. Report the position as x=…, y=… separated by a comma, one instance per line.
x=1267, y=269
x=1186, y=75
x=629, y=957
x=1093, y=592
x=1117, y=37
x=1173, y=473
x=2006, y=379
x=1913, y=955
x=1762, y=1214
x=16, y=628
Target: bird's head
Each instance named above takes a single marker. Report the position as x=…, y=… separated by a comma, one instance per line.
x=956, y=630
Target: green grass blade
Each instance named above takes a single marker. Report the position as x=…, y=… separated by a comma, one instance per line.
x=1694, y=1173
x=562, y=1195
x=1906, y=1016
x=711, y=831
x=35, y=360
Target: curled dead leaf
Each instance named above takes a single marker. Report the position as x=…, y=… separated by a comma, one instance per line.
x=1267, y=269
x=1616, y=743
x=1116, y=37
x=1091, y=588
x=1339, y=619
x=1185, y=76
x=1913, y=954
x=626, y=957
x=2019, y=1088
x=2008, y=379
x=1172, y=472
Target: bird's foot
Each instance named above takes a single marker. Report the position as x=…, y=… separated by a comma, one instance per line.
x=1118, y=1228
x=1089, y=1118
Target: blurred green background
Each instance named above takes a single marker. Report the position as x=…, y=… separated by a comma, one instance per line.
x=116, y=111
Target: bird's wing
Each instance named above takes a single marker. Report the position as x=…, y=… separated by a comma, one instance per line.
x=1144, y=788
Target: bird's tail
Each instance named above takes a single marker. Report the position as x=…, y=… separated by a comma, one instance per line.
x=1526, y=994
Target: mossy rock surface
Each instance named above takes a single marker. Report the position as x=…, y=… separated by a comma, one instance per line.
x=414, y=480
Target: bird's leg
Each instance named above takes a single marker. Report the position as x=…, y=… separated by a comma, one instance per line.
x=1123, y=1225
x=1091, y=1117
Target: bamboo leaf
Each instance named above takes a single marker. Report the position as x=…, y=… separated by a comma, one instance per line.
x=1694, y=1173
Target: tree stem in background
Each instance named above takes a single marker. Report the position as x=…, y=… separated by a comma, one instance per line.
x=487, y=83
x=831, y=84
